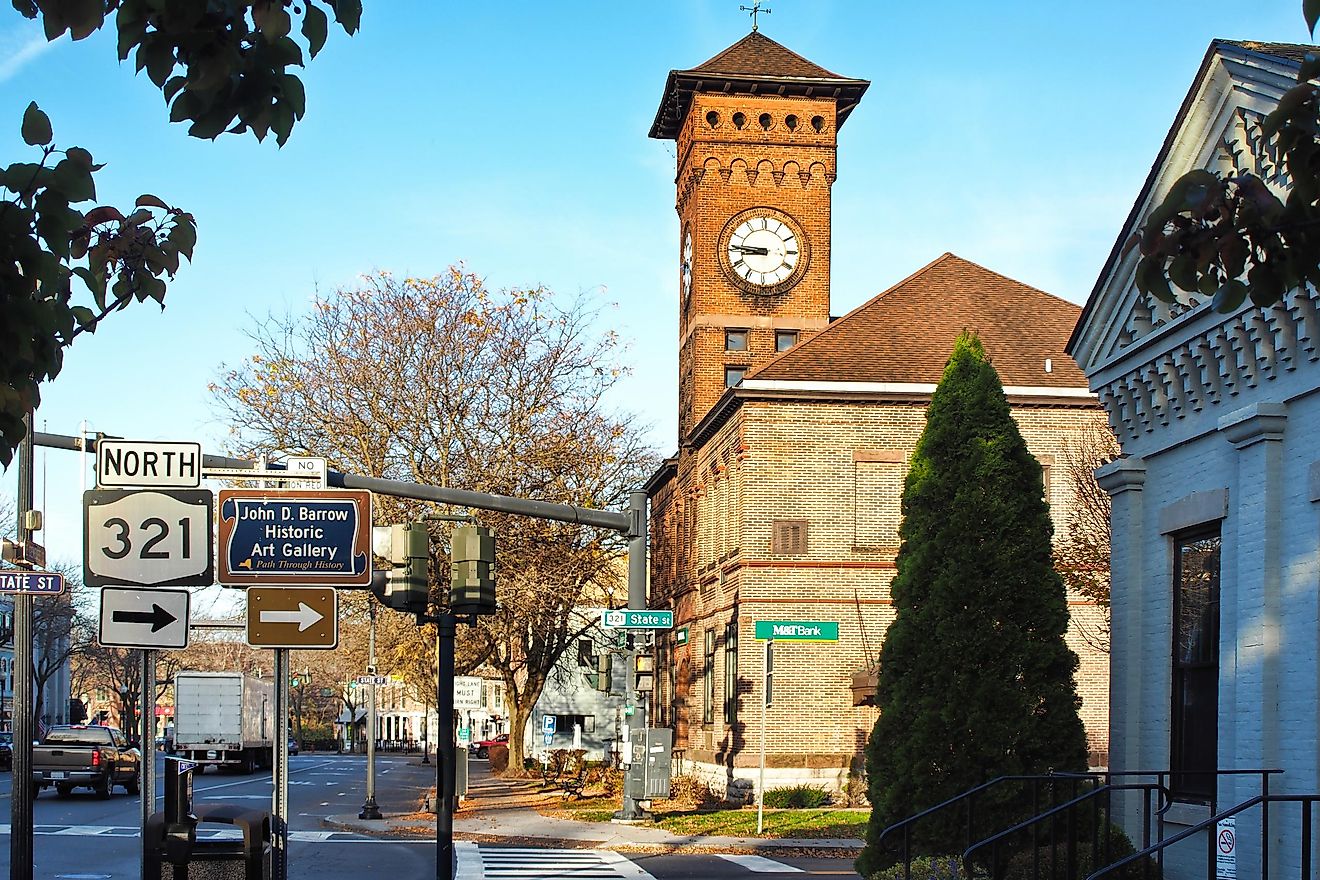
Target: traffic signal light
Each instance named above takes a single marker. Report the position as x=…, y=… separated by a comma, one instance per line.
x=407, y=583
x=604, y=672
x=645, y=673
x=472, y=571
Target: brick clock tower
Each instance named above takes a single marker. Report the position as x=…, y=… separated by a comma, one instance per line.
x=757, y=130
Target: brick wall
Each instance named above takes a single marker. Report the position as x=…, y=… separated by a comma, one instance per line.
x=838, y=467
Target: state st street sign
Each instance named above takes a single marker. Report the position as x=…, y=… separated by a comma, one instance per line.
x=295, y=537
x=38, y=583
x=625, y=618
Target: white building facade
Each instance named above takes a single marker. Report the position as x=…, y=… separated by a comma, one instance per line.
x=1216, y=507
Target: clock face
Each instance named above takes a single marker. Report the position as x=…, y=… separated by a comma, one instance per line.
x=687, y=264
x=763, y=251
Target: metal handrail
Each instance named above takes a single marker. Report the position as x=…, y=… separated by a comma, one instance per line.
x=1306, y=800
x=994, y=840
x=905, y=825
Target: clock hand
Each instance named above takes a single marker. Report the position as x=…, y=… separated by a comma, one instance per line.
x=754, y=251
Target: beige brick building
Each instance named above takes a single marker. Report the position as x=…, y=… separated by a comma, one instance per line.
x=782, y=502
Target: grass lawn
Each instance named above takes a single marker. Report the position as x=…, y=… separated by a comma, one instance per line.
x=732, y=822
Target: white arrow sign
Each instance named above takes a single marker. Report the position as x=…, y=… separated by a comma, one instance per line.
x=305, y=616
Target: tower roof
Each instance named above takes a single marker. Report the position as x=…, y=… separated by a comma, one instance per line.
x=755, y=65
x=905, y=334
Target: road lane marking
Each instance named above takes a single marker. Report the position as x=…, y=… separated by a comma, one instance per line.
x=761, y=865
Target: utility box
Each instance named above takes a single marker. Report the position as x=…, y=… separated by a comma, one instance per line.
x=651, y=761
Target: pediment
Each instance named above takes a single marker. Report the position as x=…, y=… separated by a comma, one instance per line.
x=1217, y=128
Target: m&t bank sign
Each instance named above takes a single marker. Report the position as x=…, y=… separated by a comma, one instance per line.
x=798, y=630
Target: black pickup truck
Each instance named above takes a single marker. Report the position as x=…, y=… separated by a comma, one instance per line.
x=85, y=756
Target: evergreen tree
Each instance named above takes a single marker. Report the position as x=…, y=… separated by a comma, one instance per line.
x=975, y=677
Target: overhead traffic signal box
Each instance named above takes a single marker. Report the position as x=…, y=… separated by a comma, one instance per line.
x=472, y=571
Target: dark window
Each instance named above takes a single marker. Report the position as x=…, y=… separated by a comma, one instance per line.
x=712, y=119
x=791, y=121
x=735, y=340
x=708, y=679
x=731, y=673
x=788, y=537
x=586, y=653
x=765, y=121
x=733, y=375
x=818, y=123
x=564, y=723
x=785, y=339
x=739, y=120
x=1195, y=717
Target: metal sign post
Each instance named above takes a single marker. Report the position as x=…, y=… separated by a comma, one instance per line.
x=280, y=771
x=147, y=746
x=767, y=670
x=20, y=799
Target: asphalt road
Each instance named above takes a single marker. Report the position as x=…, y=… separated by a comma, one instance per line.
x=85, y=838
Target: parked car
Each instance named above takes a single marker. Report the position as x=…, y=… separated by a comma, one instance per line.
x=7, y=751
x=482, y=748
x=293, y=746
x=85, y=756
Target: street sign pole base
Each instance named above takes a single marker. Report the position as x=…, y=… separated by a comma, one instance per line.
x=370, y=810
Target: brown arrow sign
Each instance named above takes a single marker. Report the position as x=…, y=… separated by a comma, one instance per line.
x=292, y=617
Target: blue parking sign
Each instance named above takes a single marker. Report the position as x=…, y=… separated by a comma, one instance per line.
x=548, y=724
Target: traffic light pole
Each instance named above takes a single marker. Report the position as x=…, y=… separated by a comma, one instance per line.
x=445, y=753
x=21, y=791
x=637, y=546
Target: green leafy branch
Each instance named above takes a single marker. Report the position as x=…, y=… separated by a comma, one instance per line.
x=1232, y=236
x=222, y=65
x=45, y=242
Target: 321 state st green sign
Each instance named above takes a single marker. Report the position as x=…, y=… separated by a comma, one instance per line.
x=798, y=630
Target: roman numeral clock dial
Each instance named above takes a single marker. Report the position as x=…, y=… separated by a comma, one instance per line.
x=763, y=251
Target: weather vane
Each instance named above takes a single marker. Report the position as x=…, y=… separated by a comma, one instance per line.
x=755, y=9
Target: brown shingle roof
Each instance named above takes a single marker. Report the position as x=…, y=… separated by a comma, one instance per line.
x=907, y=333
x=754, y=65
x=756, y=55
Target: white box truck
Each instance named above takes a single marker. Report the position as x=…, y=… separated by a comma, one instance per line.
x=224, y=719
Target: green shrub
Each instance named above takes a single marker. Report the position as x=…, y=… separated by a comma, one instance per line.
x=925, y=868
x=797, y=797
x=1023, y=865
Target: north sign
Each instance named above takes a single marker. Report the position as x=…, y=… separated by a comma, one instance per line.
x=623, y=618
x=146, y=619
x=295, y=537
x=139, y=464
x=156, y=538
x=293, y=617
x=798, y=630
x=41, y=583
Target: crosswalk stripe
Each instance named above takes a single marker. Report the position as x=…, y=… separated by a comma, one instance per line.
x=476, y=862
x=761, y=865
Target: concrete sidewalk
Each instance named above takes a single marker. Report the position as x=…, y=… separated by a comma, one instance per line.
x=499, y=809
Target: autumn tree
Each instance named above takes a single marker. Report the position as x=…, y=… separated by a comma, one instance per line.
x=443, y=382
x=1081, y=554
x=222, y=67
x=975, y=678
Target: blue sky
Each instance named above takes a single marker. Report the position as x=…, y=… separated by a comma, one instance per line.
x=513, y=137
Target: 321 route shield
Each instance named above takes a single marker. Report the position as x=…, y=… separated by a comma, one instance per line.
x=270, y=537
